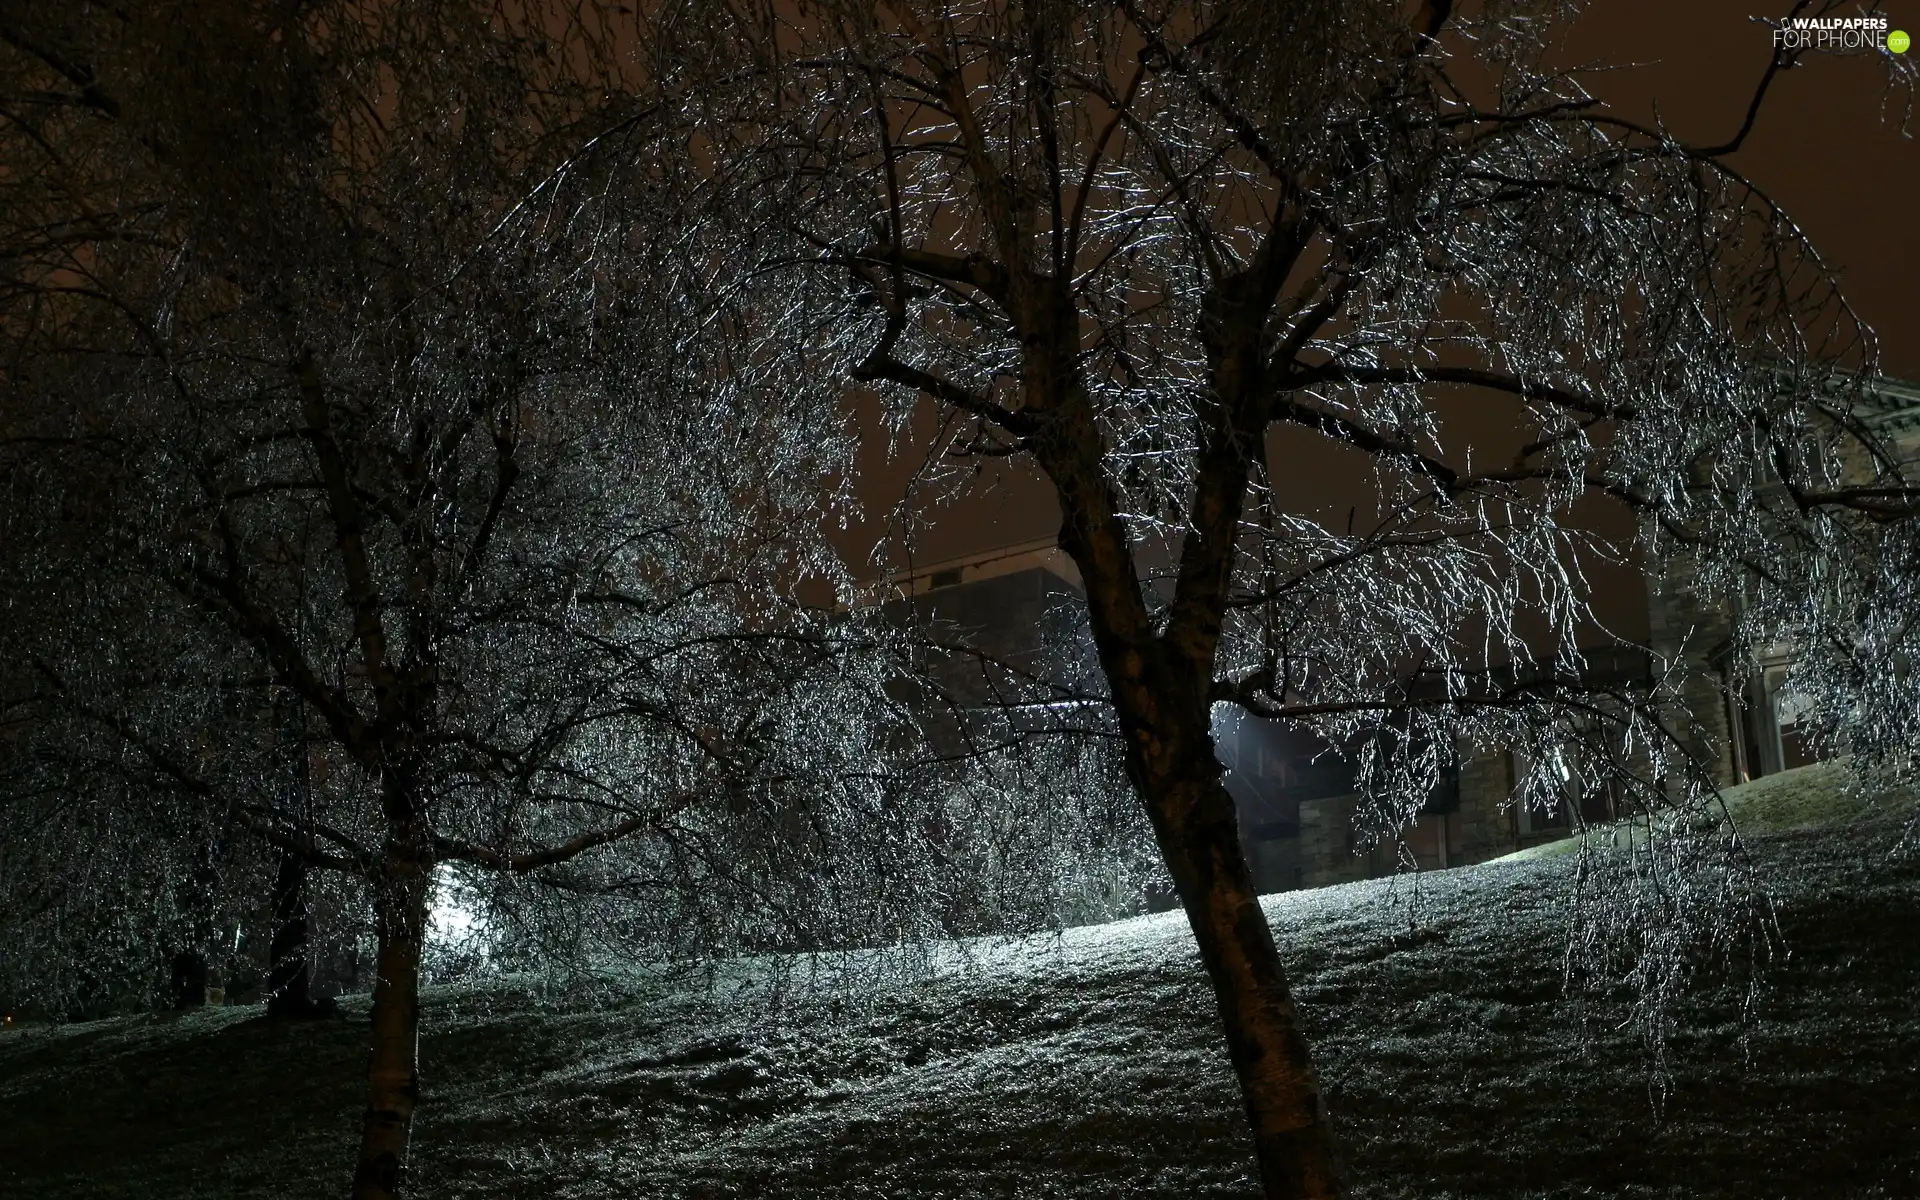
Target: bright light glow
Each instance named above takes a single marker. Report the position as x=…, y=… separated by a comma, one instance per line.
x=455, y=918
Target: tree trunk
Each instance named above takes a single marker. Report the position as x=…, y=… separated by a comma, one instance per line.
x=1194, y=820
x=393, y=1080
x=187, y=984
x=289, y=977
x=1160, y=695
x=189, y=969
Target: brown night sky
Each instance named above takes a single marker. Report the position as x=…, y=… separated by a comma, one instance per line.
x=1826, y=148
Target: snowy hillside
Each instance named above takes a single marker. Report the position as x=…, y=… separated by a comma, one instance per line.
x=1082, y=1066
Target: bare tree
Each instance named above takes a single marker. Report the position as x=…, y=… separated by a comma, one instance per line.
x=401, y=495
x=409, y=519
x=1162, y=249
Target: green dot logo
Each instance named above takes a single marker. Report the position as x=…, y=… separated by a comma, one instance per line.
x=1898, y=41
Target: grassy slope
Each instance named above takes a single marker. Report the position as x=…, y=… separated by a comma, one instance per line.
x=1820, y=796
x=1082, y=1067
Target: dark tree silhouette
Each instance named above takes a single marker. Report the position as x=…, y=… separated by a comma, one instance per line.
x=388, y=510
x=401, y=496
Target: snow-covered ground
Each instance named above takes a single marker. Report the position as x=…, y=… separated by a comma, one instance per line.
x=1079, y=1066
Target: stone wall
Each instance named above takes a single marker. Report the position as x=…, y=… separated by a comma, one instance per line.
x=1687, y=627
x=1326, y=843
x=1484, y=823
x=1480, y=828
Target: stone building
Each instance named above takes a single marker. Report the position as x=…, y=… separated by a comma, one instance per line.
x=1021, y=604
x=1297, y=800
x=1017, y=611
x=1744, y=716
